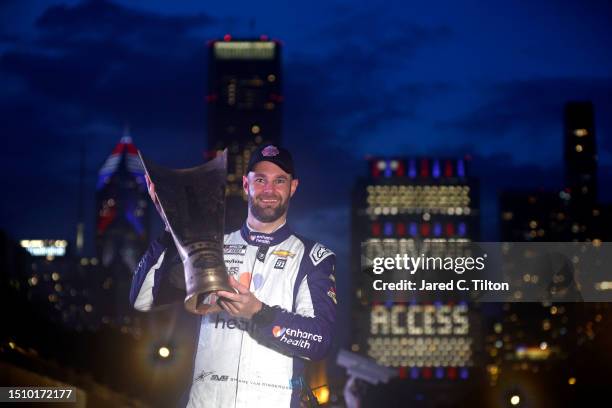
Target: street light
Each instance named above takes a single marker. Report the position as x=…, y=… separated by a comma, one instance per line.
x=164, y=352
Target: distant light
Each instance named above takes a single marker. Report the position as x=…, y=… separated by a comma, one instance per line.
x=227, y=37
x=88, y=308
x=47, y=248
x=55, y=276
x=436, y=169
x=322, y=394
x=271, y=78
x=571, y=381
x=543, y=345
x=388, y=169
x=255, y=129
x=460, y=168
x=580, y=132
x=578, y=148
x=412, y=168
x=462, y=229
x=515, y=400
x=11, y=345
x=164, y=352
x=388, y=229
x=605, y=285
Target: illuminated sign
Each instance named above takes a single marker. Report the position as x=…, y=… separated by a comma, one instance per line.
x=420, y=335
x=228, y=50
x=410, y=199
x=45, y=247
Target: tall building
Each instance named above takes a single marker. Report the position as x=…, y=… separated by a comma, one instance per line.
x=571, y=213
x=413, y=206
x=580, y=152
x=244, y=108
x=532, y=343
x=121, y=219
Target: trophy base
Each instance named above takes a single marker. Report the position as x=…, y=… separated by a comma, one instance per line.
x=205, y=301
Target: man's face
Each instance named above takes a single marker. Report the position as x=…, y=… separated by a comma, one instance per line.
x=269, y=189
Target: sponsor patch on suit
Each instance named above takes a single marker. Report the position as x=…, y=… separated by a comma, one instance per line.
x=234, y=249
x=318, y=253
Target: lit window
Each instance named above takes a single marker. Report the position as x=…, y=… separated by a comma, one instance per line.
x=581, y=132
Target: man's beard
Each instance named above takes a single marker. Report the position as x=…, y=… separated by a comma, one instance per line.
x=267, y=214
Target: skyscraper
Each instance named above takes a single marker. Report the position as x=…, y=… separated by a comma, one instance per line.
x=571, y=213
x=244, y=108
x=121, y=220
x=407, y=205
x=555, y=337
x=580, y=152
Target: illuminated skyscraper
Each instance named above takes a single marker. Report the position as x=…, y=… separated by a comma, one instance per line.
x=580, y=152
x=555, y=337
x=572, y=213
x=407, y=206
x=121, y=220
x=244, y=108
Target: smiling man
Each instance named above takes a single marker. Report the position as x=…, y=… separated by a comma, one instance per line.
x=251, y=351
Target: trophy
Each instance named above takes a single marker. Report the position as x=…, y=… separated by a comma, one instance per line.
x=192, y=204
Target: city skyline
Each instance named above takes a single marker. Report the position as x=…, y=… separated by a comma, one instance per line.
x=466, y=78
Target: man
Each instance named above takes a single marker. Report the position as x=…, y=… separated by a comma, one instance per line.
x=251, y=351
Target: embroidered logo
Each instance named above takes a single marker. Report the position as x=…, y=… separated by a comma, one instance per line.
x=278, y=331
x=283, y=253
x=332, y=294
x=261, y=238
x=234, y=249
x=318, y=253
x=270, y=151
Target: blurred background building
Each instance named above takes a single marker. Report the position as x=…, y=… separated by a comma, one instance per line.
x=416, y=206
x=244, y=108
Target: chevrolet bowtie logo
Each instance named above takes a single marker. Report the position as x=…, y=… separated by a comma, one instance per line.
x=283, y=253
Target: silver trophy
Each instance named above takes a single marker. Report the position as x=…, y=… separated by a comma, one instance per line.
x=192, y=204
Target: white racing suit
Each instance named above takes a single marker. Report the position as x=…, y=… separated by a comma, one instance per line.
x=257, y=362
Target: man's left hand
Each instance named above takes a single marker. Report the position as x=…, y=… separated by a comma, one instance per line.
x=243, y=304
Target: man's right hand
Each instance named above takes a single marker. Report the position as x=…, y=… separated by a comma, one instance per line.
x=153, y=195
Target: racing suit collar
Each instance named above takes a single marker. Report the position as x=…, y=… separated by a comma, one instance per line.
x=261, y=238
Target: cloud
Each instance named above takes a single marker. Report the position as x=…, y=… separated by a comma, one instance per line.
x=75, y=80
x=101, y=20
x=530, y=113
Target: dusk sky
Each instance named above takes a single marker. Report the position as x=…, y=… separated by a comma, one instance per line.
x=488, y=79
